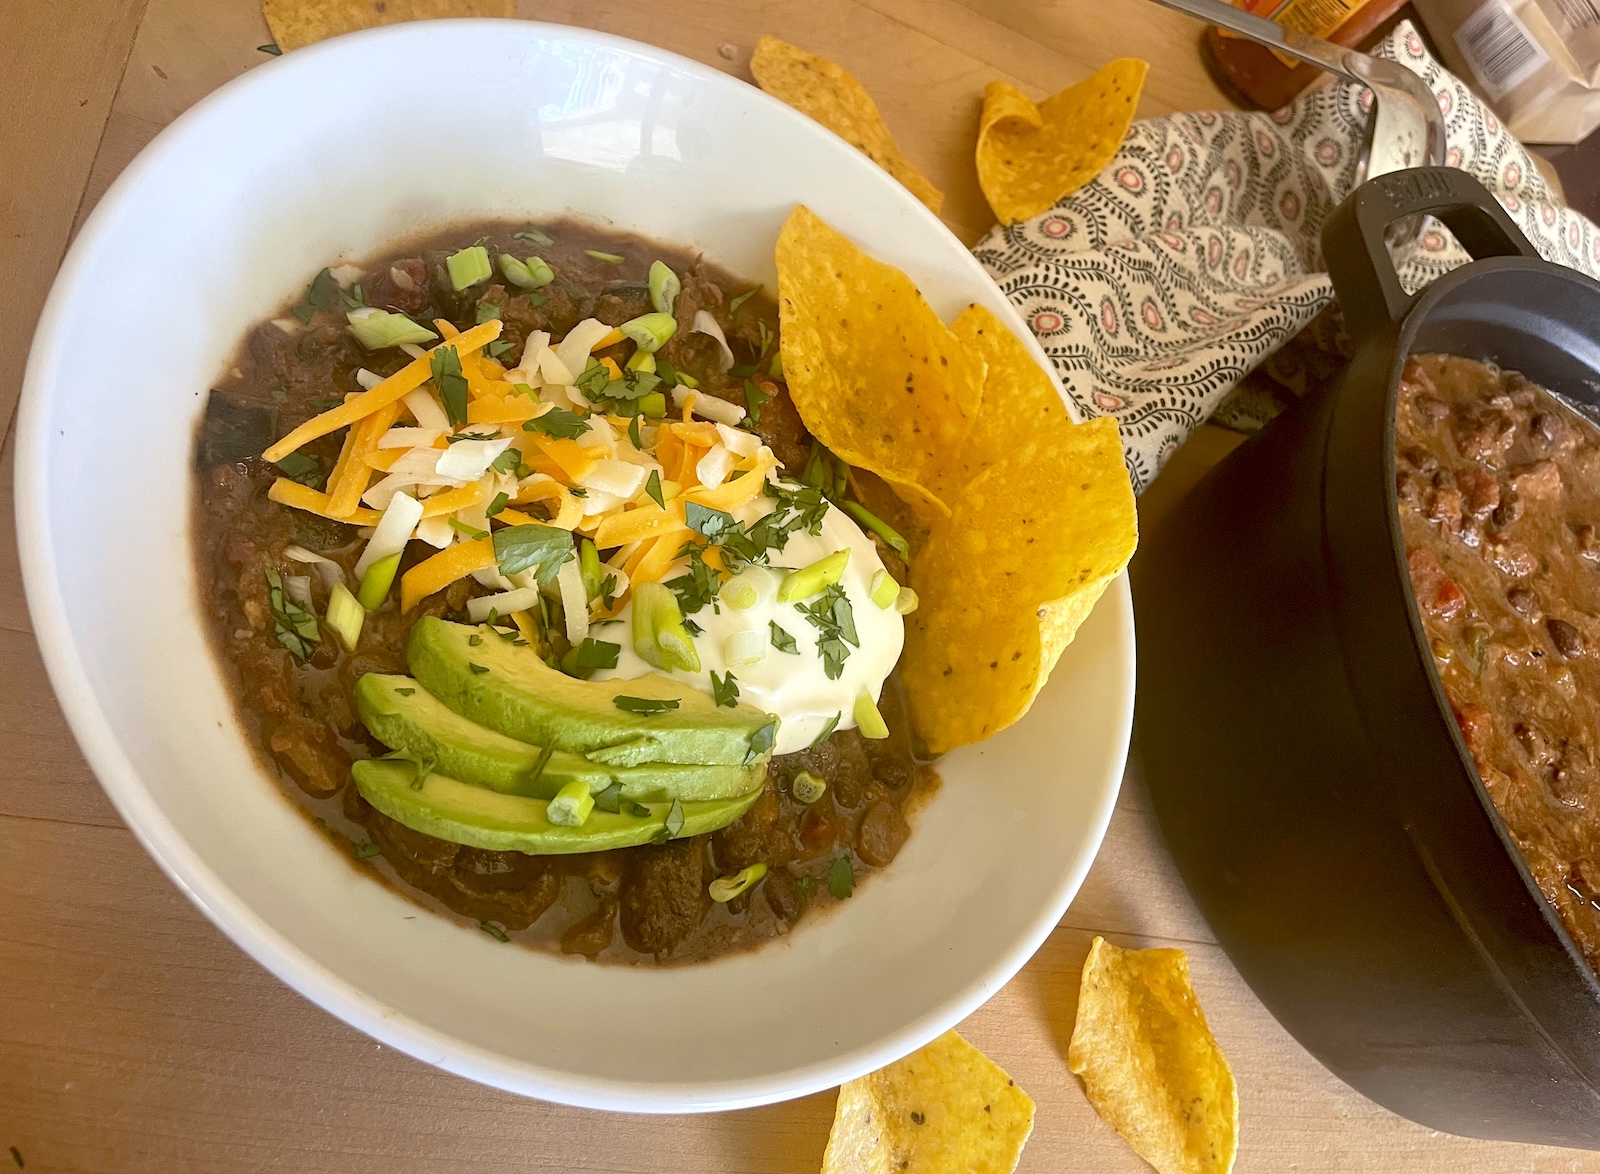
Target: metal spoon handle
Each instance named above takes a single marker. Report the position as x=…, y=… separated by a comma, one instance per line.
x=1311, y=50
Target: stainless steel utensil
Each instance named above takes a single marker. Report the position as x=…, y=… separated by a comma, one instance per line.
x=1405, y=129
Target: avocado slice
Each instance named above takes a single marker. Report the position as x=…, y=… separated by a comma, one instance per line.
x=449, y=809
x=403, y=715
x=510, y=689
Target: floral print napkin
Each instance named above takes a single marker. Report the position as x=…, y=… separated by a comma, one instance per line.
x=1194, y=256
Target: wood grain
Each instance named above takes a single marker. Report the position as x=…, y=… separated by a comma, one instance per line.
x=135, y=1037
x=63, y=62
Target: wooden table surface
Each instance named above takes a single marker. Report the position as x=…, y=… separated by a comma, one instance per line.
x=134, y=1036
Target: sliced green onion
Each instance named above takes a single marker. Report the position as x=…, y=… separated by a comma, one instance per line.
x=906, y=602
x=642, y=360
x=659, y=636
x=515, y=271
x=571, y=806
x=726, y=888
x=879, y=527
x=868, y=720
x=884, y=590
x=741, y=592
x=532, y=273
x=664, y=287
x=650, y=331
x=814, y=579
x=468, y=267
x=529, y=274
x=608, y=258
x=376, y=582
x=653, y=405
x=744, y=647
x=381, y=329
x=589, y=564
x=807, y=788
x=345, y=616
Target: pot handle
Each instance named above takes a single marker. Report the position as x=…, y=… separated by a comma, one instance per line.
x=1353, y=248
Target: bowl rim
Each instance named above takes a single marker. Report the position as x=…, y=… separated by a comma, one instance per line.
x=227, y=911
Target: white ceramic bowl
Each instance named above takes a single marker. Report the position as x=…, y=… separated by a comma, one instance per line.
x=330, y=153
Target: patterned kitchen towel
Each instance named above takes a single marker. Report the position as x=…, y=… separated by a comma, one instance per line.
x=1194, y=255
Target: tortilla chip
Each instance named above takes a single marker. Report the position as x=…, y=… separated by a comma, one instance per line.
x=295, y=23
x=1042, y=519
x=875, y=375
x=946, y=1108
x=1150, y=1064
x=1029, y=156
x=826, y=93
x=1019, y=399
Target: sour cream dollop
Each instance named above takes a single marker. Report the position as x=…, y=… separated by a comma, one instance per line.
x=793, y=686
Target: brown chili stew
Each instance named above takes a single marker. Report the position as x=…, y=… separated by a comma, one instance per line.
x=1498, y=485
x=299, y=714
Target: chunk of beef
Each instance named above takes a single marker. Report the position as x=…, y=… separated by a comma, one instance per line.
x=664, y=896
x=405, y=286
x=1537, y=482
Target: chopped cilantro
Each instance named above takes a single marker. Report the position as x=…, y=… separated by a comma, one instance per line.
x=452, y=385
x=754, y=399
x=487, y=311
x=697, y=586
x=516, y=548
x=593, y=380
x=842, y=878
x=725, y=692
x=609, y=799
x=494, y=931
x=499, y=503
x=691, y=627
x=475, y=667
x=353, y=298
x=405, y=692
x=322, y=294
x=761, y=741
x=633, y=433
x=475, y=639
x=711, y=524
x=366, y=850
x=645, y=706
x=781, y=640
x=831, y=614
x=807, y=886
x=559, y=423
x=652, y=486
x=271, y=50
x=608, y=258
x=672, y=826
x=294, y=624
x=608, y=591
x=578, y=491
x=827, y=731
x=507, y=461
x=534, y=235
x=537, y=299
x=304, y=468
x=500, y=348
x=597, y=654
x=733, y=306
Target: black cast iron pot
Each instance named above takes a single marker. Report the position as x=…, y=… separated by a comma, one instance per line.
x=1303, y=762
